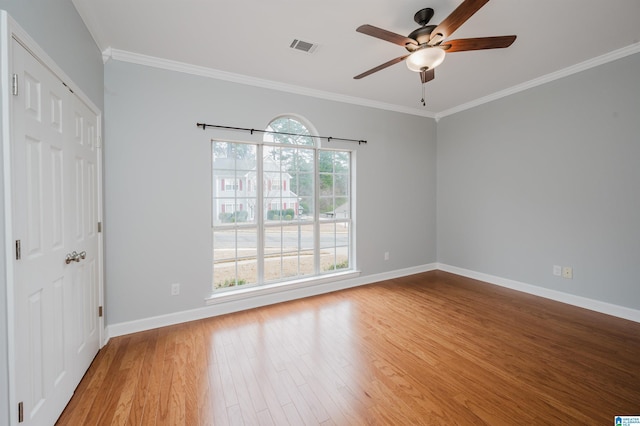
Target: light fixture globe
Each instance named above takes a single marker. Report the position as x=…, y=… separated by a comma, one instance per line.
x=425, y=59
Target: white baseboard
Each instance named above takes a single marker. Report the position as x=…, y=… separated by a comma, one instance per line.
x=256, y=301
x=558, y=296
x=285, y=294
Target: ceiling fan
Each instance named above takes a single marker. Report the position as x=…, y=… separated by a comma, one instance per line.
x=427, y=45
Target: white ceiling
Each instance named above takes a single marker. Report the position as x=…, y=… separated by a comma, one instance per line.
x=251, y=38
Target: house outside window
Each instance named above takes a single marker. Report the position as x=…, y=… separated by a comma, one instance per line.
x=285, y=213
x=231, y=184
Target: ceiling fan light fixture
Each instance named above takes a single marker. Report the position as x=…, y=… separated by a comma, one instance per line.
x=424, y=59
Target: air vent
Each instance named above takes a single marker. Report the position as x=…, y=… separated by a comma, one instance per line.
x=303, y=46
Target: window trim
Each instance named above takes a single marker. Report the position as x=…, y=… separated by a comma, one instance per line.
x=218, y=297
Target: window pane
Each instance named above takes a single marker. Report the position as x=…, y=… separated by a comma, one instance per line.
x=234, y=257
x=289, y=251
x=334, y=260
x=341, y=184
x=334, y=185
x=334, y=246
x=334, y=234
x=302, y=184
x=233, y=185
x=295, y=129
x=341, y=208
x=306, y=208
x=233, y=151
x=287, y=176
x=326, y=184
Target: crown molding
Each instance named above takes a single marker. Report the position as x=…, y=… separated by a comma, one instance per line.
x=582, y=66
x=166, y=64
x=151, y=61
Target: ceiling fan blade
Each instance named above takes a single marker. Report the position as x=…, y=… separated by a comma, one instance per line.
x=381, y=67
x=428, y=75
x=394, y=38
x=479, y=43
x=458, y=17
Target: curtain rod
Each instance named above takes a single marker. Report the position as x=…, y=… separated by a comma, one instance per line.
x=328, y=138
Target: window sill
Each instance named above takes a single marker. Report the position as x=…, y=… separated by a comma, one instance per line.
x=246, y=293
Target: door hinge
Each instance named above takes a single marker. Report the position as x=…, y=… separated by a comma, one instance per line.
x=20, y=412
x=14, y=85
x=100, y=311
x=18, y=250
x=99, y=227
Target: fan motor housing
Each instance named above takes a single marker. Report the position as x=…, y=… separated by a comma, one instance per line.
x=421, y=35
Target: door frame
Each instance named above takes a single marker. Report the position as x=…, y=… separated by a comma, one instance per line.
x=10, y=30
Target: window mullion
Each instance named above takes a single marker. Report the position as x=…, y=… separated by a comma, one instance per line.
x=316, y=211
x=233, y=210
x=351, y=222
x=260, y=214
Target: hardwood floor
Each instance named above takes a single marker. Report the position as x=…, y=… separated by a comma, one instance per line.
x=430, y=349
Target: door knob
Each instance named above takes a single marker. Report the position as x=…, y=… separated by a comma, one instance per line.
x=75, y=257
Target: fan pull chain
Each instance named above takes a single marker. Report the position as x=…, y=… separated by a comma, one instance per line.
x=422, y=100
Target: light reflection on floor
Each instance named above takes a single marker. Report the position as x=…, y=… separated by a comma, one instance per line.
x=280, y=347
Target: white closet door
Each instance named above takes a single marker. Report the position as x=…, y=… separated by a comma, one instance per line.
x=82, y=235
x=54, y=198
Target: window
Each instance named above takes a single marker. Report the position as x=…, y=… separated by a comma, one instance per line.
x=232, y=184
x=294, y=219
x=277, y=184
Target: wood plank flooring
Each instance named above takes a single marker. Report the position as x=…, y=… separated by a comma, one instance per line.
x=429, y=349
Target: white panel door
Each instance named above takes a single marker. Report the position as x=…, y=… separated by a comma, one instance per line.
x=82, y=221
x=54, y=196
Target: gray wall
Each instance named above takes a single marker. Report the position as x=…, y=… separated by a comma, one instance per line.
x=57, y=28
x=158, y=190
x=549, y=176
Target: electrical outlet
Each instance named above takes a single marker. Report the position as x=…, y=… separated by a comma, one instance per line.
x=567, y=272
x=557, y=270
x=175, y=289
x=386, y=255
